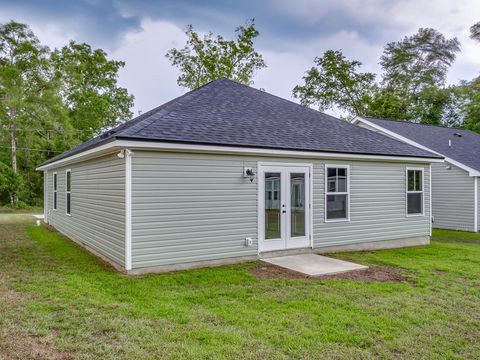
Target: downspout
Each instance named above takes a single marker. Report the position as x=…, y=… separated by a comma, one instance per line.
x=475, y=196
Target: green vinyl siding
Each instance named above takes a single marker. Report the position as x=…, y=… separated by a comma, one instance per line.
x=453, y=196
x=97, y=205
x=195, y=207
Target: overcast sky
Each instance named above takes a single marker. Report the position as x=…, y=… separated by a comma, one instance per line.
x=292, y=33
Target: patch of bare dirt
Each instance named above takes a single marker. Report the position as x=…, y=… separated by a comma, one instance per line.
x=373, y=273
x=17, y=344
x=26, y=346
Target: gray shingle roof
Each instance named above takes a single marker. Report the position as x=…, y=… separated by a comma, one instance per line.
x=226, y=113
x=464, y=148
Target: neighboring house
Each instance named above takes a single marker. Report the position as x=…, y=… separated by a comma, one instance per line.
x=455, y=182
x=227, y=173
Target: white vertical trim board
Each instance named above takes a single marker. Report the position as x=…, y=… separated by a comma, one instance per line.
x=311, y=204
x=430, y=195
x=475, y=220
x=128, y=209
x=45, y=197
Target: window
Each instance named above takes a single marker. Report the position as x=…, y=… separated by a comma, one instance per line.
x=414, y=191
x=336, y=192
x=68, y=189
x=55, y=191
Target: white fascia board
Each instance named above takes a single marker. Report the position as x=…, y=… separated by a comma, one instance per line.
x=471, y=171
x=84, y=155
x=156, y=145
x=182, y=147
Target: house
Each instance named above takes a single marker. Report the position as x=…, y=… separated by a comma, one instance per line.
x=228, y=173
x=455, y=198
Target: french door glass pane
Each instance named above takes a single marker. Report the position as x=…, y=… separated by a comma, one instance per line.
x=297, y=204
x=272, y=205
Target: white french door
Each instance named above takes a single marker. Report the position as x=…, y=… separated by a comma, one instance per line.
x=284, y=207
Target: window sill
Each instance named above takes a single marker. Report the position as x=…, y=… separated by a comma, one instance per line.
x=337, y=220
x=414, y=215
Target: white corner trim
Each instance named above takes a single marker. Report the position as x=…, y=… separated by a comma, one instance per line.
x=475, y=220
x=128, y=209
x=471, y=171
x=45, y=197
x=430, y=196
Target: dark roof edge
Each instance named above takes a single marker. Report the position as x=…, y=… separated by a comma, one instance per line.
x=120, y=127
x=226, y=146
x=434, y=156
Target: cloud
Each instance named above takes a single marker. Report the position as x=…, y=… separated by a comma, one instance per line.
x=291, y=33
x=98, y=22
x=147, y=73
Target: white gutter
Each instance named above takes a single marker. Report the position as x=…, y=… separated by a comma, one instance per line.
x=471, y=171
x=84, y=155
x=167, y=146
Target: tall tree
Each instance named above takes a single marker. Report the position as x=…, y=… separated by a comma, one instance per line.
x=205, y=59
x=464, y=108
x=412, y=85
x=28, y=95
x=414, y=72
x=475, y=31
x=335, y=81
x=89, y=88
x=50, y=102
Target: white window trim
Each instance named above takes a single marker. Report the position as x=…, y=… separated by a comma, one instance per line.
x=54, y=191
x=68, y=192
x=341, y=166
x=414, y=192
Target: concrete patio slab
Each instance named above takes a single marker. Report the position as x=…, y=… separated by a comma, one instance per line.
x=314, y=265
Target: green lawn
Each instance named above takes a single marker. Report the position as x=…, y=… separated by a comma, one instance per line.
x=57, y=301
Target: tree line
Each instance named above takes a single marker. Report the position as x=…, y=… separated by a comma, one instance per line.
x=52, y=100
